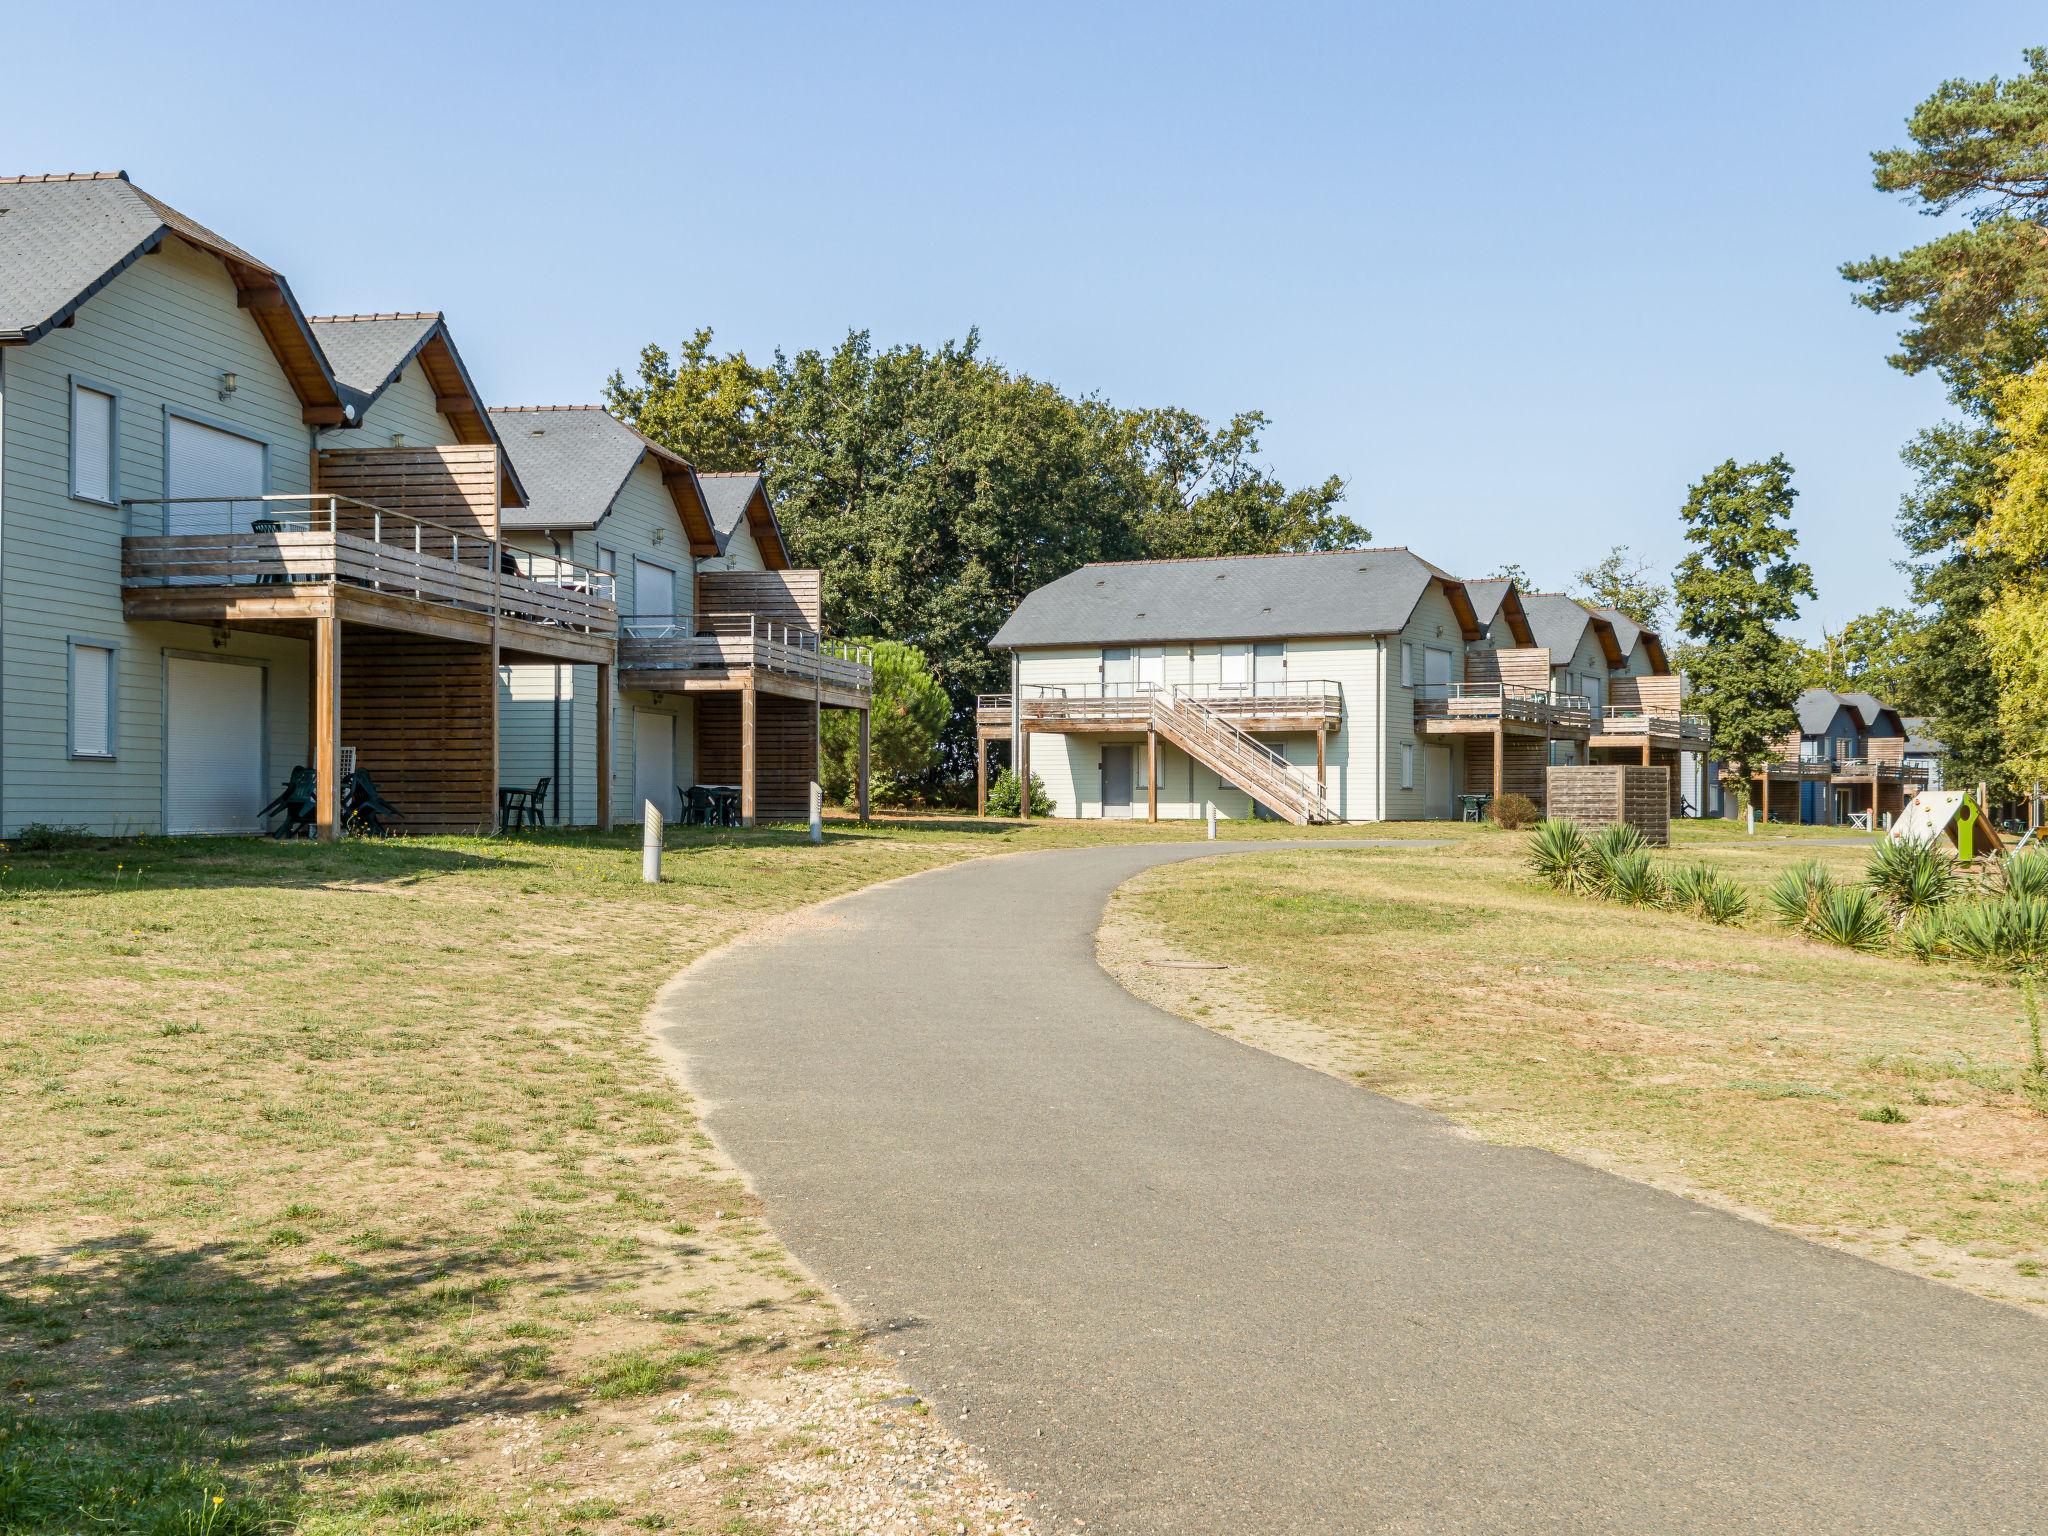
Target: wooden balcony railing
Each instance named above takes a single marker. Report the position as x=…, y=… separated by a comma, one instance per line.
x=284, y=540
x=1499, y=701
x=725, y=642
x=1641, y=722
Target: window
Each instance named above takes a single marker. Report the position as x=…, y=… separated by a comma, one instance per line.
x=1407, y=665
x=1237, y=667
x=95, y=442
x=1407, y=765
x=92, y=699
x=1269, y=666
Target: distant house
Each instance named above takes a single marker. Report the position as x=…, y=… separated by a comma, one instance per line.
x=1845, y=761
x=1924, y=751
x=1355, y=685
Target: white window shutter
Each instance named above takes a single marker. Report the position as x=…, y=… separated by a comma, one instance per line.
x=1407, y=767
x=92, y=444
x=92, y=686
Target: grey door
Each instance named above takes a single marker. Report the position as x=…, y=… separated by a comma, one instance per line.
x=1118, y=779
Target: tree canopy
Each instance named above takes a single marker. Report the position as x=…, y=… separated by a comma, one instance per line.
x=1879, y=653
x=1740, y=582
x=935, y=487
x=1625, y=583
x=2014, y=621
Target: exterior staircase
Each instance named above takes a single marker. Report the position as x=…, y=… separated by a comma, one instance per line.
x=1238, y=758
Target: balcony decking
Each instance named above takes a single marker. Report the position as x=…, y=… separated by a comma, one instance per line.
x=282, y=561
x=723, y=652
x=1629, y=728
x=1307, y=704
x=1484, y=709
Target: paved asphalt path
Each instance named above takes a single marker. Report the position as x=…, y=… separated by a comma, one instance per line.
x=1170, y=1283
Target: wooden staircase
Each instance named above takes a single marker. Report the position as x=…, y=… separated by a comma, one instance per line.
x=1216, y=743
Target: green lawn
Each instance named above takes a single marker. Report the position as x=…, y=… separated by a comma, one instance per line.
x=1745, y=1065
x=342, y=1186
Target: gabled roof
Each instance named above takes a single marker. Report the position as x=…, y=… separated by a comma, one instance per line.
x=1918, y=741
x=1628, y=634
x=1817, y=708
x=1236, y=597
x=64, y=238
x=1498, y=599
x=734, y=494
x=574, y=461
x=1559, y=623
x=369, y=353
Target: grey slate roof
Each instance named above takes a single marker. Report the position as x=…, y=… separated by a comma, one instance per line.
x=1245, y=597
x=1817, y=708
x=1557, y=622
x=727, y=492
x=573, y=461
x=1626, y=630
x=1487, y=597
x=367, y=353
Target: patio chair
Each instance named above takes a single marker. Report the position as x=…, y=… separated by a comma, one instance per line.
x=268, y=525
x=364, y=808
x=699, y=805
x=520, y=808
x=296, y=803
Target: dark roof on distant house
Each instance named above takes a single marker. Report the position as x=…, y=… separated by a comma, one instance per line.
x=1919, y=742
x=1559, y=623
x=1240, y=597
x=736, y=493
x=574, y=461
x=369, y=353
x=64, y=238
x=1494, y=597
x=1817, y=708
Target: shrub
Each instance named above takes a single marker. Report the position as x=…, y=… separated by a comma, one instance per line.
x=1633, y=879
x=1558, y=855
x=1608, y=847
x=1883, y=1114
x=1850, y=916
x=1002, y=795
x=1705, y=892
x=41, y=837
x=2026, y=874
x=2005, y=931
x=1796, y=893
x=1912, y=876
x=1514, y=812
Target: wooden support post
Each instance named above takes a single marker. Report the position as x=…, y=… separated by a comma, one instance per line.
x=604, y=746
x=1767, y=793
x=1022, y=755
x=1151, y=775
x=862, y=792
x=327, y=728
x=980, y=774
x=1322, y=758
x=749, y=718
x=490, y=807
x=1500, y=741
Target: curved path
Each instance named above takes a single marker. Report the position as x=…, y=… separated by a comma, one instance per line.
x=1170, y=1283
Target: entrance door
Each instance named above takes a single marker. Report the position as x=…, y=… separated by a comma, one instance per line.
x=1436, y=782
x=1119, y=672
x=654, y=762
x=1118, y=779
x=204, y=461
x=213, y=746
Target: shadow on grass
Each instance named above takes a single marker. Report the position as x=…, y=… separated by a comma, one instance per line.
x=140, y=1379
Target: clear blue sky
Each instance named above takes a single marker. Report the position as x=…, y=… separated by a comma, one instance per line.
x=1519, y=273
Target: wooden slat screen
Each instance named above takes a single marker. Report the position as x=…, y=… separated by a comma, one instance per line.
x=418, y=711
x=1653, y=695
x=788, y=597
x=1525, y=667
x=786, y=751
x=456, y=486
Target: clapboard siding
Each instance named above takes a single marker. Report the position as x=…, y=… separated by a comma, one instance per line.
x=417, y=711
x=162, y=333
x=405, y=409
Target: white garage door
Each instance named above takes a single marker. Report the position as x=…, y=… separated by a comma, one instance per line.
x=213, y=747
x=204, y=461
x=654, y=762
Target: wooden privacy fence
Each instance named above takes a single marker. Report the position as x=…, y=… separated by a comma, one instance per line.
x=1606, y=793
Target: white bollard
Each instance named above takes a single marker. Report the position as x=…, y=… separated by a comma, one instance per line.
x=817, y=813
x=651, y=826
x=1212, y=823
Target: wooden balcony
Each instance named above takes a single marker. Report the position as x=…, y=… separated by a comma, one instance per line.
x=1485, y=709
x=1625, y=727
x=1298, y=704
x=271, y=561
x=716, y=652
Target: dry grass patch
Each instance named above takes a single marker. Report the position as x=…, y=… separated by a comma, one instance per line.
x=1864, y=1100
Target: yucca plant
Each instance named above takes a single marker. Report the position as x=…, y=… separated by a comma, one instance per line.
x=1705, y=892
x=1849, y=915
x=1608, y=847
x=1634, y=881
x=1558, y=855
x=2026, y=874
x=1798, y=891
x=1912, y=875
x=1689, y=884
x=1926, y=936
x=2005, y=931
